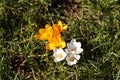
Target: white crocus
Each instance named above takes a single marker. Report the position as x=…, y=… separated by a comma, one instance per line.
x=71, y=60
x=73, y=50
x=59, y=54
x=74, y=47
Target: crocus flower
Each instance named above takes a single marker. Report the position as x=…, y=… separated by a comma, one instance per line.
x=73, y=50
x=59, y=54
x=52, y=35
x=74, y=47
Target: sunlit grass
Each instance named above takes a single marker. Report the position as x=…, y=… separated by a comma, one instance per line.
x=93, y=23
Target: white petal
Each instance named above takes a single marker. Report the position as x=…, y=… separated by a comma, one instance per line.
x=78, y=47
x=59, y=54
x=55, y=60
x=73, y=40
x=67, y=51
x=77, y=57
x=55, y=50
x=74, y=62
x=70, y=46
x=79, y=51
x=77, y=44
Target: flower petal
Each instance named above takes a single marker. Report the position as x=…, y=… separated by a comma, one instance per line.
x=37, y=36
x=73, y=40
x=59, y=23
x=62, y=27
x=77, y=44
x=71, y=60
x=77, y=57
x=56, y=29
x=70, y=46
x=62, y=44
x=79, y=51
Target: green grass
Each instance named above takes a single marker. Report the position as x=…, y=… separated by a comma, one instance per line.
x=95, y=23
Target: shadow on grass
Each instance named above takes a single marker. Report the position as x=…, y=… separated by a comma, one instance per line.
x=88, y=54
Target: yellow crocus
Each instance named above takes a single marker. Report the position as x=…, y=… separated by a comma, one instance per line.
x=52, y=35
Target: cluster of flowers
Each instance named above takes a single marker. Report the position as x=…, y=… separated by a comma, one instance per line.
x=56, y=43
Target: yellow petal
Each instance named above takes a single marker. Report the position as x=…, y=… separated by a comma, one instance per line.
x=56, y=29
x=62, y=27
x=45, y=34
x=59, y=23
x=51, y=46
x=37, y=36
x=47, y=26
x=62, y=44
